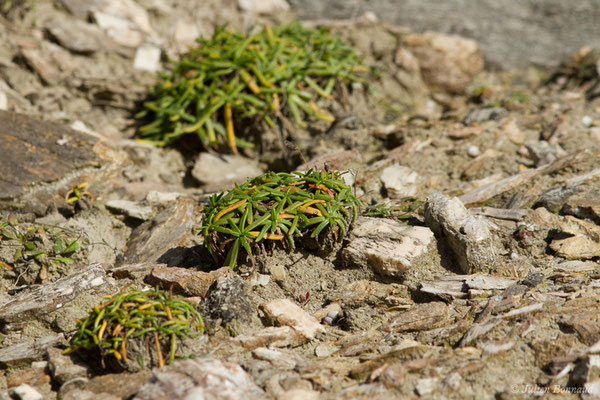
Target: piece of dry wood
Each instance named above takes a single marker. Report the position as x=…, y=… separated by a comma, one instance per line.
x=493, y=189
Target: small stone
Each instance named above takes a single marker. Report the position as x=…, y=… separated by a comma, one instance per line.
x=210, y=169
x=190, y=282
x=325, y=349
x=473, y=151
x=62, y=368
x=279, y=360
x=448, y=62
x=426, y=386
x=264, y=6
x=287, y=313
x=28, y=351
x=76, y=35
x=147, y=58
x=37, y=60
x=325, y=311
x=260, y=280
x=400, y=181
x=387, y=246
x=300, y=394
x=131, y=209
x=485, y=114
x=587, y=121
x=542, y=152
x=186, y=34
x=421, y=317
x=533, y=279
x=278, y=272
x=121, y=30
x=26, y=392
x=512, y=131
x=3, y=101
x=121, y=386
x=279, y=336
x=200, y=378
x=468, y=237
x=157, y=197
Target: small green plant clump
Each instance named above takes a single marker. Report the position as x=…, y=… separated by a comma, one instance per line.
x=151, y=317
x=401, y=210
x=39, y=243
x=279, y=208
x=259, y=75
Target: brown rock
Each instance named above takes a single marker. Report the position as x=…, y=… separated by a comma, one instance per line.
x=280, y=336
x=191, y=283
x=166, y=238
x=447, y=62
x=33, y=376
x=63, y=368
x=122, y=386
x=285, y=312
x=421, y=317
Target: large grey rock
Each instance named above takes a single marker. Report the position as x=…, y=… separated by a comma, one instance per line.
x=468, y=237
x=213, y=170
x=76, y=35
x=198, y=378
x=539, y=32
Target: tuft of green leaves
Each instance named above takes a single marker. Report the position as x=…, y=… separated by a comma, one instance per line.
x=286, y=69
x=39, y=243
x=278, y=207
x=135, y=315
x=403, y=209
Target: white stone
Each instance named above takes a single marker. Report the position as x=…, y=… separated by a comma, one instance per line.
x=3, y=101
x=300, y=394
x=275, y=357
x=186, y=34
x=473, y=151
x=285, y=312
x=426, y=386
x=155, y=196
x=387, y=246
x=400, y=181
x=264, y=6
x=587, y=121
x=121, y=30
x=26, y=392
x=147, y=58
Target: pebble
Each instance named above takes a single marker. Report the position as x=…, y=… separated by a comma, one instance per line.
x=285, y=312
x=3, y=101
x=587, y=121
x=264, y=6
x=62, y=368
x=147, y=58
x=26, y=392
x=400, y=181
x=130, y=208
x=473, y=151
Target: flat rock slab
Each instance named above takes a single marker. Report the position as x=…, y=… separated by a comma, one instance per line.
x=43, y=299
x=200, y=379
x=164, y=238
x=285, y=312
x=387, y=246
x=37, y=153
x=29, y=351
x=190, y=282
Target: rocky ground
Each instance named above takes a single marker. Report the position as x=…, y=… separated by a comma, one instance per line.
x=487, y=289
